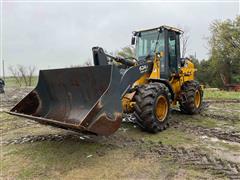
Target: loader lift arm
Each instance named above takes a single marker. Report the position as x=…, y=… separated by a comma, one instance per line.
x=133, y=73
x=101, y=58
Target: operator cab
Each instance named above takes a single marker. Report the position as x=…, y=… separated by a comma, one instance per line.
x=163, y=40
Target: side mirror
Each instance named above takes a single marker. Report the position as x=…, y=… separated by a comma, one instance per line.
x=133, y=40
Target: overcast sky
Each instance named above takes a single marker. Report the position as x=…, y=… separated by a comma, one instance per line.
x=54, y=35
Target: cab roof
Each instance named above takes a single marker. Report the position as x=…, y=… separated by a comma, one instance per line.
x=162, y=27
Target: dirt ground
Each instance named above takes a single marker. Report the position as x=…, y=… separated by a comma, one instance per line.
x=204, y=146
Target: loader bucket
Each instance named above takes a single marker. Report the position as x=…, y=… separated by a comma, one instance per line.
x=85, y=99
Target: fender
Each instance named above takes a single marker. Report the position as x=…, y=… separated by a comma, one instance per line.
x=165, y=82
x=133, y=74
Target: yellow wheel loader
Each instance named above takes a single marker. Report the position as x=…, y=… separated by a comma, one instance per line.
x=93, y=99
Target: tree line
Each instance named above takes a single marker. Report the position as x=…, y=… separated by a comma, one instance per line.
x=223, y=66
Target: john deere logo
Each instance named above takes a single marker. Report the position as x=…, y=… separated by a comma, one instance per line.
x=143, y=68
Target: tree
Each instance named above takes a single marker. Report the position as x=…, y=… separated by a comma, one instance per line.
x=88, y=63
x=224, y=45
x=126, y=52
x=16, y=75
x=31, y=71
x=184, y=38
x=204, y=73
x=23, y=74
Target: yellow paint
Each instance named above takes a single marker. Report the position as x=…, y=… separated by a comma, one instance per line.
x=156, y=66
x=186, y=73
x=197, y=99
x=127, y=103
x=142, y=80
x=162, y=108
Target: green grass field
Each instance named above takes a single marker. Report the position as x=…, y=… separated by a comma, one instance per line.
x=220, y=95
x=11, y=82
x=208, y=93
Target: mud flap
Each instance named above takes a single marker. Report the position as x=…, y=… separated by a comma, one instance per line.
x=85, y=99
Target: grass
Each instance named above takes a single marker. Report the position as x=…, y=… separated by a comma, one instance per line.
x=230, y=147
x=9, y=126
x=11, y=82
x=208, y=93
x=68, y=160
x=237, y=125
x=221, y=95
x=46, y=158
x=171, y=136
x=207, y=122
x=231, y=106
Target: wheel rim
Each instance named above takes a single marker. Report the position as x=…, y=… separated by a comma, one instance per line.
x=161, y=108
x=197, y=99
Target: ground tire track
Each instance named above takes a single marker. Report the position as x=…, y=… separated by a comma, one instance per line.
x=199, y=160
x=192, y=157
x=233, y=136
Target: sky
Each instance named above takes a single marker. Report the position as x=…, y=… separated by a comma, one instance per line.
x=61, y=34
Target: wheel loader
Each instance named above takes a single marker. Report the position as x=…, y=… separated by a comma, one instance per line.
x=93, y=99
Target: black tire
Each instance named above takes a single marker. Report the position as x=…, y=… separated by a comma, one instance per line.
x=187, y=97
x=146, y=98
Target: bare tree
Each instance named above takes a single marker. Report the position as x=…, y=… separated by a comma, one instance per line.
x=31, y=71
x=184, y=39
x=23, y=74
x=15, y=74
x=88, y=63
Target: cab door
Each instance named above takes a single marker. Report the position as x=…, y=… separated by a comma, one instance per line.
x=173, y=52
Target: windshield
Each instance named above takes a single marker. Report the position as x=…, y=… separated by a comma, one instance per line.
x=146, y=43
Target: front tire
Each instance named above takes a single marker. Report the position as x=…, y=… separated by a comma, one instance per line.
x=191, y=97
x=152, y=107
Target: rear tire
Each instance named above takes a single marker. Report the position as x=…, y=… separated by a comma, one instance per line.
x=191, y=97
x=152, y=107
